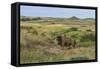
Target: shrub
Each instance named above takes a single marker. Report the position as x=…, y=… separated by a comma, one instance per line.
x=26, y=27
x=53, y=33
x=65, y=30
x=43, y=33
x=36, y=18
x=25, y=19
x=73, y=29
x=89, y=30
x=87, y=37
x=33, y=31
x=75, y=34
x=29, y=18
x=69, y=30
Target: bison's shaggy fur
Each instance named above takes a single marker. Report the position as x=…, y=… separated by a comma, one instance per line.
x=66, y=41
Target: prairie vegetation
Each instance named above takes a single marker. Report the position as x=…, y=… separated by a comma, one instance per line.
x=47, y=39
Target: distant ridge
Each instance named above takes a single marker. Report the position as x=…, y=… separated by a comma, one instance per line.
x=89, y=18
x=52, y=19
x=73, y=18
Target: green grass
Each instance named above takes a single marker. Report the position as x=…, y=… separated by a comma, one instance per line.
x=37, y=55
x=38, y=41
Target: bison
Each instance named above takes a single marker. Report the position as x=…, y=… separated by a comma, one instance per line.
x=66, y=41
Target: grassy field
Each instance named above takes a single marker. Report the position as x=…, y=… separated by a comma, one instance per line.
x=38, y=39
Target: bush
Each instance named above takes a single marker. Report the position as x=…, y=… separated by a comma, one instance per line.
x=69, y=30
x=53, y=33
x=26, y=27
x=33, y=31
x=65, y=30
x=87, y=37
x=73, y=29
x=89, y=30
x=25, y=19
x=29, y=18
x=36, y=18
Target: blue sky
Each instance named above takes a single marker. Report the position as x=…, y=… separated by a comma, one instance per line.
x=56, y=12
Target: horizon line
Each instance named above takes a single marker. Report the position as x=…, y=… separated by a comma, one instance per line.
x=59, y=17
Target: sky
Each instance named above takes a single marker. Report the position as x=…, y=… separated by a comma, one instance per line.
x=37, y=11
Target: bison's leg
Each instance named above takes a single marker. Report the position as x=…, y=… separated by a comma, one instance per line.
x=62, y=43
x=71, y=46
x=74, y=44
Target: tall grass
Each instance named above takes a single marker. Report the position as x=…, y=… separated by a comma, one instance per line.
x=38, y=41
